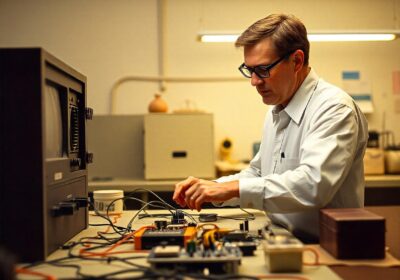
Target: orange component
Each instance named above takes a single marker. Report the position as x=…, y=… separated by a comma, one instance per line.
x=138, y=237
x=189, y=234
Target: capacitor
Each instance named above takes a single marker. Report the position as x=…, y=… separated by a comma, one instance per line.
x=160, y=224
x=246, y=225
x=191, y=247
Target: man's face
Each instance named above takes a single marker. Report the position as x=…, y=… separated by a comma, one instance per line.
x=280, y=87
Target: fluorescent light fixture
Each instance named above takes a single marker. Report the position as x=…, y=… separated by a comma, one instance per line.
x=215, y=38
x=353, y=36
x=316, y=36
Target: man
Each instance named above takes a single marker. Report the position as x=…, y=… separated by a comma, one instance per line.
x=311, y=153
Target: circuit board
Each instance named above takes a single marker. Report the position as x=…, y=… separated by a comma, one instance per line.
x=222, y=260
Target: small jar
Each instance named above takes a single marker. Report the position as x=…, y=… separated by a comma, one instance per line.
x=158, y=105
x=103, y=199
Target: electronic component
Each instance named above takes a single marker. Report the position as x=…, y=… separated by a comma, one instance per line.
x=178, y=217
x=221, y=260
x=236, y=235
x=283, y=252
x=160, y=224
x=148, y=238
x=242, y=240
x=208, y=217
x=167, y=251
x=247, y=247
x=246, y=225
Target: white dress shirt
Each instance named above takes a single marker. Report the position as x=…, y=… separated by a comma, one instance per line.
x=311, y=157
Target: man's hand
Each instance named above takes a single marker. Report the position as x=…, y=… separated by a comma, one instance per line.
x=193, y=192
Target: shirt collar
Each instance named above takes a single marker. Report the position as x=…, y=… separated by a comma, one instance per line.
x=300, y=99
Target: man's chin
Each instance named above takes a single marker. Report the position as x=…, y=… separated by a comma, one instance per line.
x=267, y=100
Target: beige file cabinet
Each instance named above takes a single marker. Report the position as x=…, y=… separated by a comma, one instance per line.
x=178, y=146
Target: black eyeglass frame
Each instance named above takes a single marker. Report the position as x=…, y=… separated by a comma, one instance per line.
x=265, y=68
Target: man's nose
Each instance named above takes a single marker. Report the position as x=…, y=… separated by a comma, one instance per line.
x=255, y=80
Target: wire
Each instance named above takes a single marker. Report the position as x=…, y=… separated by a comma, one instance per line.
x=189, y=215
x=84, y=251
x=316, y=261
x=153, y=193
x=38, y=263
x=103, y=246
x=146, y=215
x=250, y=217
x=158, y=204
x=21, y=270
x=281, y=276
x=107, y=218
x=152, y=203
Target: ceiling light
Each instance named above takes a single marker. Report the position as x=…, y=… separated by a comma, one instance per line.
x=316, y=36
x=215, y=38
x=352, y=36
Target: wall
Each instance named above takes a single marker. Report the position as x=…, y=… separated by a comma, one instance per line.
x=107, y=40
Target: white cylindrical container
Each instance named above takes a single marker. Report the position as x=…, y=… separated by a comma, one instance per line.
x=103, y=198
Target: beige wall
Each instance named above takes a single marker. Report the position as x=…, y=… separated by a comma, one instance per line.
x=107, y=40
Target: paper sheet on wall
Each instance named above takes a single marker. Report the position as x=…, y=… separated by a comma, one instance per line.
x=359, y=90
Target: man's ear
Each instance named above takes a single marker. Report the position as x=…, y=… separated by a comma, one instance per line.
x=298, y=60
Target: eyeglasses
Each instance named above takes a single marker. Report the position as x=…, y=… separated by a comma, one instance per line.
x=262, y=71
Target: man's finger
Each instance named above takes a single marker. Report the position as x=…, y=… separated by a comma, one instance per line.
x=199, y=202
x=181, y=186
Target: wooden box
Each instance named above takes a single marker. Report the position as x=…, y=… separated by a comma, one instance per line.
x=352, y=233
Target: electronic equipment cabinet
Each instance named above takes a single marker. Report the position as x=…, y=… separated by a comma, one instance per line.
x=43, y=193
x=178, y=145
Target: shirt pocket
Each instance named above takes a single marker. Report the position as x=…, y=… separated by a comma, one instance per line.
x=285, y=164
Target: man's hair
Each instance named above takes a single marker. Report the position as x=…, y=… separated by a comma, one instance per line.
x=287, y=32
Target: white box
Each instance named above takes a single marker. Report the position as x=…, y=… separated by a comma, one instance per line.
x=178, y=146
x=283, y=254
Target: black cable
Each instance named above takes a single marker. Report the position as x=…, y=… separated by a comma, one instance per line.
x=75, y=266
x=152, y=203
x=119, y=272
x=107, y=218
x=137, y=267
x=153, y=193
x=189, y=215
x=38, y=263
x=148, y=273
x=58, y=263
x=250, y=216
x=127, y=229
x=253, y=217
x=143, y=216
